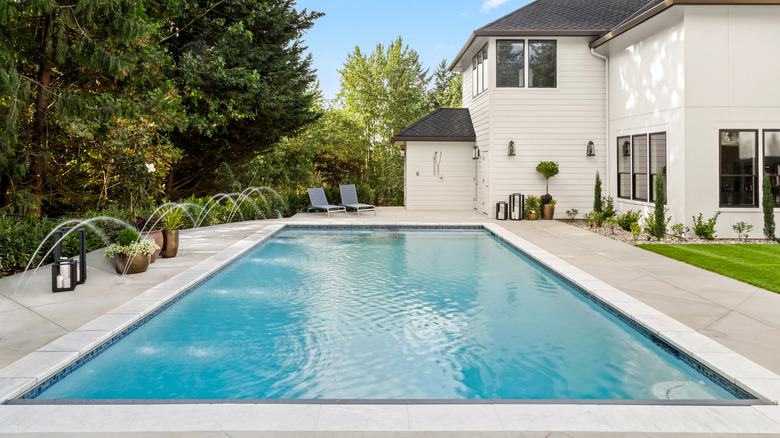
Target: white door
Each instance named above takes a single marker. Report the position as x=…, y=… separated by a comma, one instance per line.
x=481, y=184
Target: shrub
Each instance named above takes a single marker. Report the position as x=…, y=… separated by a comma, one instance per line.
x=597, y=207
x=608, y=207
x=532, y=203
x=548, y=169
x=611, y=222
x=127, y=236
x=572, y=213
x=594, y=219
x=546, y=199
x=659, y=226
x=768, y=203
x=651, y=223
x=741, y=229
x=679, y=230
x=704, y=230
x=630, y=217
x=636, y=230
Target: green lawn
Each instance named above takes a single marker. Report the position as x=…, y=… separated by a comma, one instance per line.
x=756, y=264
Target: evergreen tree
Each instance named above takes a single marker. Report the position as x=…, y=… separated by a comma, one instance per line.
x=446, y=91
x=659, y=228
x=597, y=202
x=769, y=208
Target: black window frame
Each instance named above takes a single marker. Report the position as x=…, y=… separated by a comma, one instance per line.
x=623, y=151
x=528, y=62
x=652, y=174
x=774, y=176
x=637, y=173
x=522, y=64
x=722, y=186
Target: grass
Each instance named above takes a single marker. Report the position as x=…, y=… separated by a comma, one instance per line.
x=756, y=264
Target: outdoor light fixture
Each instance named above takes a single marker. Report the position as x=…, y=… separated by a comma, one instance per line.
x=475, y=153
x=589, y=150
x=626, y=148
x=501, y=210
x=66, y=273
x=510, y=149
x=516, y=205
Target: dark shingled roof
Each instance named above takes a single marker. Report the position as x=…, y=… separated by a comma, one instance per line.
x=444, y=124
x=569, y=16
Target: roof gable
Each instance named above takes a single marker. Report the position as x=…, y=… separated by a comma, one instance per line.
x=443, y=124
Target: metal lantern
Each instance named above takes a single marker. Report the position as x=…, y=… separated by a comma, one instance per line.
x=501, y=210
x=63, y=275
x=475, y=153
x=589, y=150
x=510, y=149
x=67, y=273
x=626, y=149
x=516, y=205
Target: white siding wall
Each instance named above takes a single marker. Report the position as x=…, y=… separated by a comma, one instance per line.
x=479, y=109
x=450, y=186
x=553, y=124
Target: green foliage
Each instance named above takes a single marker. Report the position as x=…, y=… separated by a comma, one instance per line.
x=679, y=230
x=705, y=230
x=630, y=217
x=144, y=246
x=127, y=236
x=611, y=222
x=173, y=218
x=447, y=89
x=636, y=230
x=651, y=224
x=532, y=203
x=548, y=169
x=595, y=220
x=597, y=199
x=608, y=207
x=572, y=213
x=768, y=203
x=659, y=227
x=742, y=229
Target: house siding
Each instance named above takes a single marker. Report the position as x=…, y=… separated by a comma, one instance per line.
x=448, y=186
x=479, y=108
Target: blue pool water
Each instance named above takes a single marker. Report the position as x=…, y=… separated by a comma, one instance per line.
x=384, y=314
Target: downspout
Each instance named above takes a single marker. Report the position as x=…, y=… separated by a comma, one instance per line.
x=606, y=118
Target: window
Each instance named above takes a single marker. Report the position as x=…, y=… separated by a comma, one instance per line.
x=640, y=158
x=479, y=71
x=772, y=161
x=639, y=167
x=624, y=167
x=542, y=64
x=510, y=63
x=657, y=161
x=738, y=152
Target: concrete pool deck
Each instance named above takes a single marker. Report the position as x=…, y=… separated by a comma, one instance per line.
x=36, y=324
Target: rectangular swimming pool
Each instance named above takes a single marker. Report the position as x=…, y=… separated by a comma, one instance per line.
x=386, y=313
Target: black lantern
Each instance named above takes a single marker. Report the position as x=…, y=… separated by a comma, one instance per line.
x=626, y=149
x=475, y=153
x=589, y=150
x=501, y=210
x=516, y=205
x=510, y=149
x=67, y=273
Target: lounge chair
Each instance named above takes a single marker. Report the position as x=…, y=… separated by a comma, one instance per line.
x=349, y=199
x=320, y=202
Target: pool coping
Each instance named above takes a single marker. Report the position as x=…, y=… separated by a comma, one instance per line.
x=38, y=366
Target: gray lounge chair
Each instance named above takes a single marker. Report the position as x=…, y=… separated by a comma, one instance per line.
x=320, y=202
x=349, y=199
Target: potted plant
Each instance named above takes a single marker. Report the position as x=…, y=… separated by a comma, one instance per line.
x=548, y=208
x=172, y=221
x=150, y=227
x=548, y=169
x=131, y=254
x=532, y=207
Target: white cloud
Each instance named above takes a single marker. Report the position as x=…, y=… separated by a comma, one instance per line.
x=491, y=4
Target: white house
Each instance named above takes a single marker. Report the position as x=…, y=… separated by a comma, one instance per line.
x=687, y=87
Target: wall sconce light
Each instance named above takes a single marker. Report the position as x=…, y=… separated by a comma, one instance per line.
x=475, y=153
x=589, y=150
x=626, y=149
x=66, y=273
x=510, y=149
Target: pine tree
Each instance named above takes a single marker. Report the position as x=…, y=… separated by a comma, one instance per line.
x=659, y=228
x=769, y=208
x=597, y=200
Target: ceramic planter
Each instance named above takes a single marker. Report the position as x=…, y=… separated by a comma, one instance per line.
x=533, y=215
x=128, y=264
x=171, y=245
x=157, y=236
x=547, y=211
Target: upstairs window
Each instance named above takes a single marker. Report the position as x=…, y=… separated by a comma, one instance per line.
x=542, y=64
x=510, y=63
x=479, y=71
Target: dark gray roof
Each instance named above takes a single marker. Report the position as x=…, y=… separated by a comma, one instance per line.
x=444, y=124
x=569, y=16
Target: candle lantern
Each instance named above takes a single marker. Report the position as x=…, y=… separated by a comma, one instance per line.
x=63, y=275
x=516, y=206
x=501, y=210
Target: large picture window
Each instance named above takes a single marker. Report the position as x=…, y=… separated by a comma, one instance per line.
x=542, y=64
x=772, y=161
x=657, y=161
x=738, y=152
x=510, y=63
x=624, y=167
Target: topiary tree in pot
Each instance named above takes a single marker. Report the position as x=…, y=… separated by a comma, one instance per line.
x=548, y=169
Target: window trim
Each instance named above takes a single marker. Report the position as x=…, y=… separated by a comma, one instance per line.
x=630, y=152
x=763, y=161
x=479, y=80
x=622, y=154
x=528, y=61
x=755, y=169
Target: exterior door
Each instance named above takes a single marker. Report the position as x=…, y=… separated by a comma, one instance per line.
x=481, y=184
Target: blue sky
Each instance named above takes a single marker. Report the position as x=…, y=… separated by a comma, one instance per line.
x=435, y=29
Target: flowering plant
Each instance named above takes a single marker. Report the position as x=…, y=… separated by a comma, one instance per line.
x=145, y=247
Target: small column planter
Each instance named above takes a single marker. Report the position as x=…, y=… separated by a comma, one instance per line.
x=157, y=237
x=171, y=243
x=131, y=264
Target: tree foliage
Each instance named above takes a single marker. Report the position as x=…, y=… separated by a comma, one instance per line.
x=447, y=88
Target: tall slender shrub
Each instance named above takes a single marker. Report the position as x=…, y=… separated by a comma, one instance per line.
x=769, y=208
x=597, y=206
x=659, y=230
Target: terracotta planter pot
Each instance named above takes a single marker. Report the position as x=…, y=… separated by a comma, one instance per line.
x=125, y=264
x=171, y=245
x=157, y=236
x=532, y=216
x=548, y=211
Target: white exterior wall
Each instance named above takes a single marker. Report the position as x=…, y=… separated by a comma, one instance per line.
x=479, y=109
x=692, y=71
x=448, y=186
